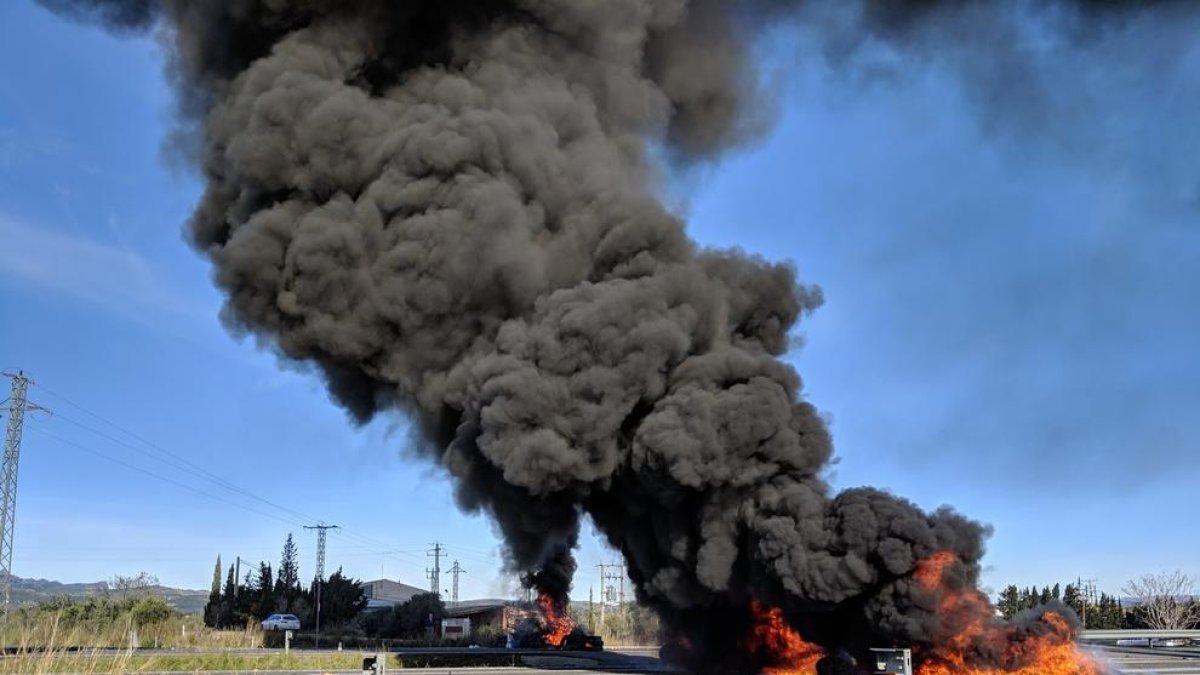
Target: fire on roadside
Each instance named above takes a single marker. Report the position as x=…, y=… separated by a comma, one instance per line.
x=778, y=646
x=975, y=643
x=558, y=625
x=970, y=640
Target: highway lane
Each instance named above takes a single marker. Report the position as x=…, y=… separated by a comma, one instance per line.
x=644, y=660
x=1151, y=662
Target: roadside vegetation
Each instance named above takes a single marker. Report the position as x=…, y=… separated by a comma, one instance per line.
x=630, y=626
x=102, y=662
x=1163, y=601
x=102, y=632
x=72, y=624
x=264, y=591
x=95, y=635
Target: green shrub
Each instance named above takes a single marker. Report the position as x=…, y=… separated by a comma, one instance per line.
x=150, y=610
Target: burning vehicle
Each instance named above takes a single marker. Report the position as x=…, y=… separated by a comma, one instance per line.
x=548, y=625
x=452, y=209
x=1041, y=644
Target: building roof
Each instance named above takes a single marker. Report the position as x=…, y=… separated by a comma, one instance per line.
x=470, y=607
x=384, y=592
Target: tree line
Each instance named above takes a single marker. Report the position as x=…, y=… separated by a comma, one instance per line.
x=418, y=617
x=1166, y=601
x=263, y=592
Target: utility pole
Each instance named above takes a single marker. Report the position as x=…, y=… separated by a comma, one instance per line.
x=237, y=575
x=17, y=404
x=603, y=593
x=612, y=583
x=455, y=571
x=321, y=530
x=1087, y=596
x=435, y=574
x=621, y=594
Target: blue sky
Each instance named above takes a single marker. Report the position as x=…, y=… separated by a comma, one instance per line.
x=1011, y=325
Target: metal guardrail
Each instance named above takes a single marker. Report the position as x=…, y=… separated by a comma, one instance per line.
x=1138, y=634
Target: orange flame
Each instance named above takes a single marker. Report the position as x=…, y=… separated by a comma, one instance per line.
x=779, y=644
x=558, y=624
x=969, y=630
x=930, y=571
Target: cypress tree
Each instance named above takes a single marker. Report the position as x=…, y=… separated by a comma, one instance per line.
x=287, y=582
x=266, y=591
x=216, y=582
x=1010, y=601
x=212, y=609
x=1072, y=599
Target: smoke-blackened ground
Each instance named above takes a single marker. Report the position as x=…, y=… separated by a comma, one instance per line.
x=448, y=207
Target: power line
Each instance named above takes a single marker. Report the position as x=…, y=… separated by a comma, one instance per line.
x=116, y=559
x=166, y=479
x=183, y=464
x=169, y=480
x=175, y=459
x=374, y=545
x=172, y=481
x=378, y=553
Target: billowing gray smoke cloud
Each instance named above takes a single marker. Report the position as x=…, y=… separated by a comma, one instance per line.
x=448, y=207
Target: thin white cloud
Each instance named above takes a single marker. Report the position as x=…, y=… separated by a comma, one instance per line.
x=19, y=146
x=115, y=277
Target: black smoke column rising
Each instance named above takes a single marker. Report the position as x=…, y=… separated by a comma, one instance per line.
x=447, y=206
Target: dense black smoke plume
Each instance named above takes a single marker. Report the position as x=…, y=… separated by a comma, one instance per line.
x=448, y=207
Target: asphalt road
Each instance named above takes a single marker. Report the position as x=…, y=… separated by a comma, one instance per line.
x=1153, y=662
x=644, y=660
x=402, y=671
x=637, y=660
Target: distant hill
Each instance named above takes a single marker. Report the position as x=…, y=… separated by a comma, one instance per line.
x=32, y=591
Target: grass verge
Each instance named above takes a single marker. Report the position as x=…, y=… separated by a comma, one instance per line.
x=95, y=664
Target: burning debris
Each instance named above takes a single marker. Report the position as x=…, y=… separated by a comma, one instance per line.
x=557, y=625
x=548, y=625
x=448, y=208
x=968, y=639
x=777, y=647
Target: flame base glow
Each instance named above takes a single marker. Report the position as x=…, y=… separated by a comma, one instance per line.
x=556, y=622
x=970, y=639
x=975, y=643
x=778, y=645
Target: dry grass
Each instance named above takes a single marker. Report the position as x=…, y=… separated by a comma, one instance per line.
x=56, y=661
x=185, y=632
x=45, y=645
x=107, y=663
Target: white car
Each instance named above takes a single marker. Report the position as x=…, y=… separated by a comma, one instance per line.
x=281, y=622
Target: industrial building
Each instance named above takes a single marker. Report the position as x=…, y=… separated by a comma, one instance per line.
x=385, y=593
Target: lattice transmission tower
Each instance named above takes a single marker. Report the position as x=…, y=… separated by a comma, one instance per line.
x=435, y=574
x=455, y=571
x=16, y=405
x=321, y=529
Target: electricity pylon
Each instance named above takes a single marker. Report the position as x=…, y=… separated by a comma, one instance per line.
x=321, y=530
x=456, y=570
x=17, y=404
